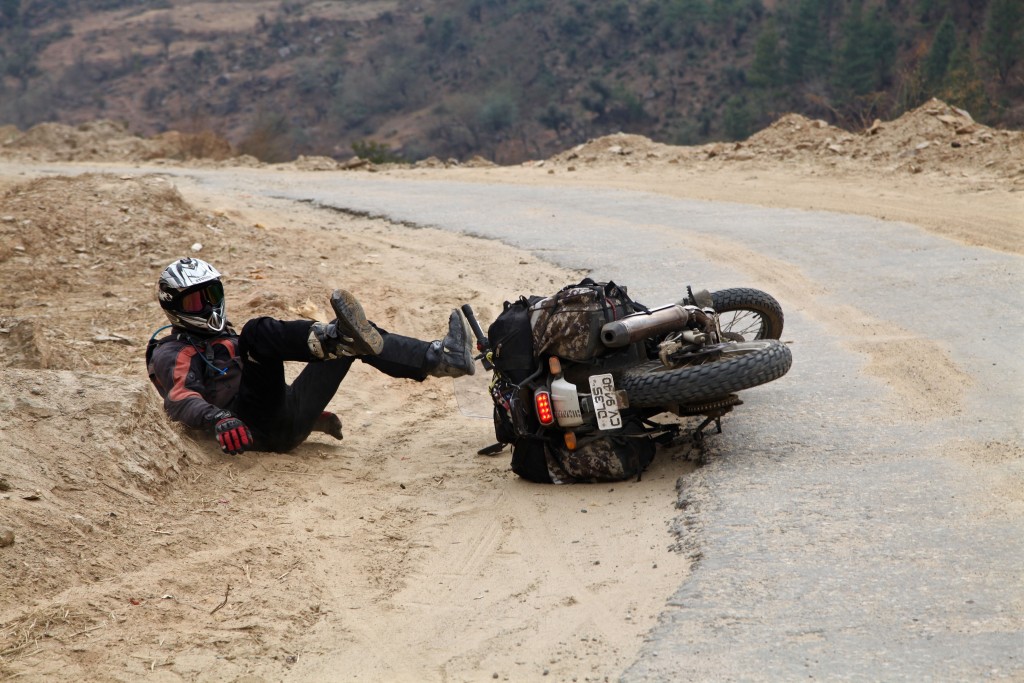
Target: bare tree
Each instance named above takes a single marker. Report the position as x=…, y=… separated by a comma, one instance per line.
x=165, y=32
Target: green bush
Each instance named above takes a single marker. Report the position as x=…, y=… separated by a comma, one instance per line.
x=376, y=152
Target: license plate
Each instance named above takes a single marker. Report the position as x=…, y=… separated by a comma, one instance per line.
x=606, y=404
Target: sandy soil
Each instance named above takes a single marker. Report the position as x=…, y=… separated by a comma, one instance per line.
x=396, y=554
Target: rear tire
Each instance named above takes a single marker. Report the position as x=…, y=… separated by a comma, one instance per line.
x=750, y=313
x=742, y=365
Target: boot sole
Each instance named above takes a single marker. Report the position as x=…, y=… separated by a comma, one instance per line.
x=468, y=353
x=353, y=324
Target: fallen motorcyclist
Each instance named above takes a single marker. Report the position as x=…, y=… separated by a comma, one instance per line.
x=233, y=384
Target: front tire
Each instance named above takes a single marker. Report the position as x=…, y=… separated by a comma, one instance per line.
x=740, y=366
x=747, y=314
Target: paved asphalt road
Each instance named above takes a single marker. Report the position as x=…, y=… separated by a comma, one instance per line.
x=834, y=540
x=838, y=533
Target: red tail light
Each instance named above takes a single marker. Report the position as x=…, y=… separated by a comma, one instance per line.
x=542, y=401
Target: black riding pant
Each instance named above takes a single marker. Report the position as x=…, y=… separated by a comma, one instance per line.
x=280, y=415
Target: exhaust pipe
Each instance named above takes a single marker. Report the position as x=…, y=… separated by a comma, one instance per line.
x=637, y=326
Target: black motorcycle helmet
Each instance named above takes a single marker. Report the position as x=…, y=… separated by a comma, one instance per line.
x=192, y=296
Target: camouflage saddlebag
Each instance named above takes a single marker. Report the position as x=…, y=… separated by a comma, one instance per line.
x=607, y=458
x=568, y=324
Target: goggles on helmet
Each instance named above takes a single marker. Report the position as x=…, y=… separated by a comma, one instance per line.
x=196, y=301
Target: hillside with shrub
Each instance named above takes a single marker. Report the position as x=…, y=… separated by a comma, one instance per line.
x=506, y=79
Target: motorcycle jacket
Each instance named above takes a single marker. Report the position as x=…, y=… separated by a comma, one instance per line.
x=197, y=377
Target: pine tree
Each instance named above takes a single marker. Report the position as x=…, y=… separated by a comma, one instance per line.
x=806, y=55
x=1003, y=43
x=937, y=62
x=962, y=86
x=737, y=118
x=882, y=37
x=856, y=69
x=766, y=70
x=9, y=13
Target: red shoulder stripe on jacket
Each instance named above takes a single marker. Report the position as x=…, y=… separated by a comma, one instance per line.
x=182, y=364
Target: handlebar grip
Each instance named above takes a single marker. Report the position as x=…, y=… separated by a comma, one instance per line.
x=482, y=343
x=481, y=338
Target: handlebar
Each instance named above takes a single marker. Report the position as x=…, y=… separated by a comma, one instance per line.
x=482, y=343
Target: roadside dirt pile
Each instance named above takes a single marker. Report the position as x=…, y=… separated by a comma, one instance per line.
x=935, y=137
x=76, y=262
x=96, y=486
x=620, y=148
x=106, y=140
x=86, y=457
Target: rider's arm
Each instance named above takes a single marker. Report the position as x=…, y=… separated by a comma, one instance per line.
x=178, y=372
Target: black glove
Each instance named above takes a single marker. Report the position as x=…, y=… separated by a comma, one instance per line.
x=232, y=434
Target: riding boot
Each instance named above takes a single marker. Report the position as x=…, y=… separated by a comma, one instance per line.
x=328, y=423
x=453, y=355
x=350, y=334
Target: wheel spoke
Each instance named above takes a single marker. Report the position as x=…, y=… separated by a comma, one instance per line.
x=748, y=324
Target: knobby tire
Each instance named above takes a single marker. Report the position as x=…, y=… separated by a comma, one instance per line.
x=748, y=365
x=743, y=306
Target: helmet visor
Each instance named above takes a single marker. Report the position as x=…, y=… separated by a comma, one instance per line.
x=195, y=302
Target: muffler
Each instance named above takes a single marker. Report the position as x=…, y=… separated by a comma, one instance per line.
x=637, y=326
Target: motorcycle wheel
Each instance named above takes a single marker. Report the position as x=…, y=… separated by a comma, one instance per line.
x=748, y=314
x=741, y=365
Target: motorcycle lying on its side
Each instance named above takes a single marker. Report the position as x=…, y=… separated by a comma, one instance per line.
x=579, y=376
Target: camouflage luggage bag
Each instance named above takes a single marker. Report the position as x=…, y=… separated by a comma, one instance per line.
x=567, y=325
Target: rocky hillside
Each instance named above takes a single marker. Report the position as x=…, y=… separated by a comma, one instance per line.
x=506, y=79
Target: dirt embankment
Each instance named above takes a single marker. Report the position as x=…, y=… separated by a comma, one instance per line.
x=95, y=485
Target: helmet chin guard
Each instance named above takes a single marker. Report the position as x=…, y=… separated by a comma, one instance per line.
x=216, y=321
